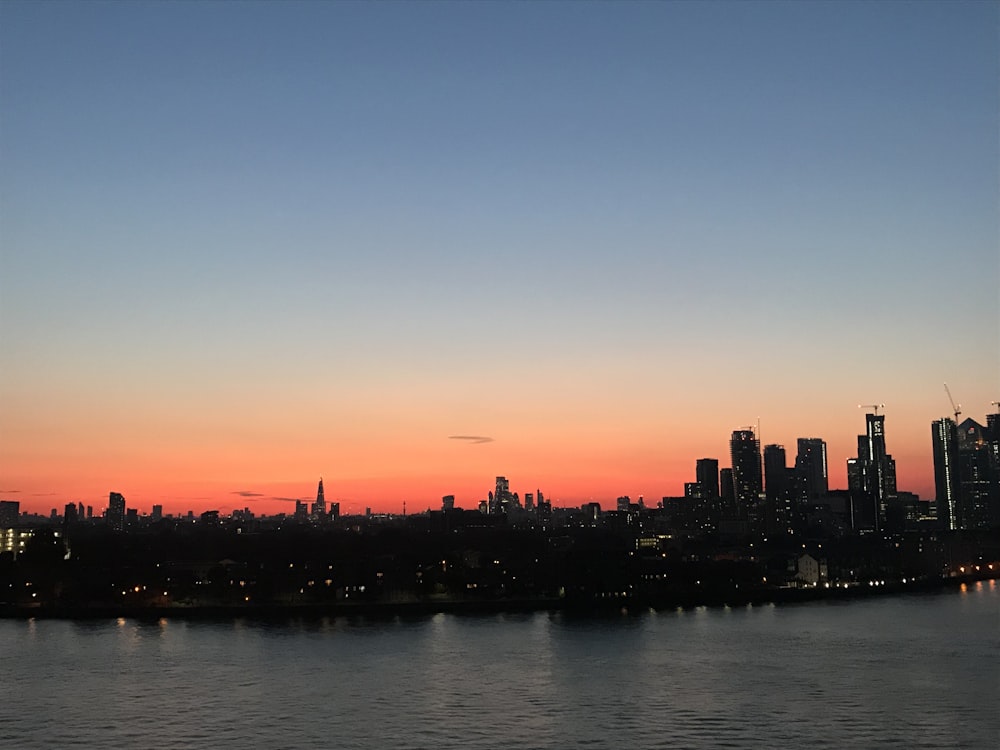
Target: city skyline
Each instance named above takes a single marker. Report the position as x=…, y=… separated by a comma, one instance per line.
x=409, y=247
x=802, y=460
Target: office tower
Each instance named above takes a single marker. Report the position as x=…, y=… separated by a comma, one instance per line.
x=70, y=514
x=811, y=473
x=157, y=513
x=10, y=513
x=706, y=473
x=116, y=511
x=871, y=476
x=744, y=449
x=448, y=502
x=944, y=442
x=301, y=510
x=529, y=501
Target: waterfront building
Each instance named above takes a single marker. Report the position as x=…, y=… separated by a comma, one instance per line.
x=871, y=476
x=944, y=443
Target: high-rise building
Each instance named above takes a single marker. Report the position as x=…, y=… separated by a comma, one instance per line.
x=871, y=476
x=501, y=499
x=775, y=472
x=448, y=502
x=978, y=498
x=944, y=442
x=726, y=491
x=812, y=475
x=744, y=449
x=706, y=473
x=157, y=514
x=116, y=511
x=319, y=507
x=777, y=490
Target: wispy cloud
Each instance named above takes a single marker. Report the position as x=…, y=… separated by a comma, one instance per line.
x=285, y=499
x=247, y=493
x=471, y=438
x=10, y=492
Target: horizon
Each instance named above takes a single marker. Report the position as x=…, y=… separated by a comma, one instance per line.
x=411, y=247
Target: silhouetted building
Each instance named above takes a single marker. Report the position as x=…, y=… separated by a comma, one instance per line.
x=744, y=449
x=70, y=514
x=811, y=471
x=726, y=492
x=116, y=511
x=978, y=499
x=319, y=507
x=448, y=502
x=706, y=473
x=10, y=513
x=777, y=489
x=157, y=514
x=871, y=476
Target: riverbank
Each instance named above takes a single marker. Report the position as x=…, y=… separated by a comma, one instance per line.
x=420, y=608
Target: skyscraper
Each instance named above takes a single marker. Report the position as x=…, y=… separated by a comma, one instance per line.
x=775, y=472
x=944, y=442
x=744, y=449
x=707, y=475
x=777, y=489
x=116, y=511
x=978, y=498
x=812, y=475
x=871, y=476
x=319, y=507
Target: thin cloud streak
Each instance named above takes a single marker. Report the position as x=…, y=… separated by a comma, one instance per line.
x=474, y=439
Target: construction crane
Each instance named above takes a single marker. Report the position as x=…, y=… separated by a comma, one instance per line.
x=876, y=407
x=956, y=408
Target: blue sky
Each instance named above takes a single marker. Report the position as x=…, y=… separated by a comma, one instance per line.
x=759, y=206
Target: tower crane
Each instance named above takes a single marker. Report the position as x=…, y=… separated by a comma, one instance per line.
x=876, y=407
x=957, y=409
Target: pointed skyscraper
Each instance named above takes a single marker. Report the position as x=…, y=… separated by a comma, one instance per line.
x=319, y=507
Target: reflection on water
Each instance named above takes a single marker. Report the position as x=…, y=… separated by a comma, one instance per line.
x=914, y=671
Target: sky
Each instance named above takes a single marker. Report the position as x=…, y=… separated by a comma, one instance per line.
x=246, y=245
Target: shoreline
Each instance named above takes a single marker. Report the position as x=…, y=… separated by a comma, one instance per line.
x=583, y=608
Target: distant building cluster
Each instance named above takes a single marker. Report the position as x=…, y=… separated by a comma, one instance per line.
x=758, y=494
